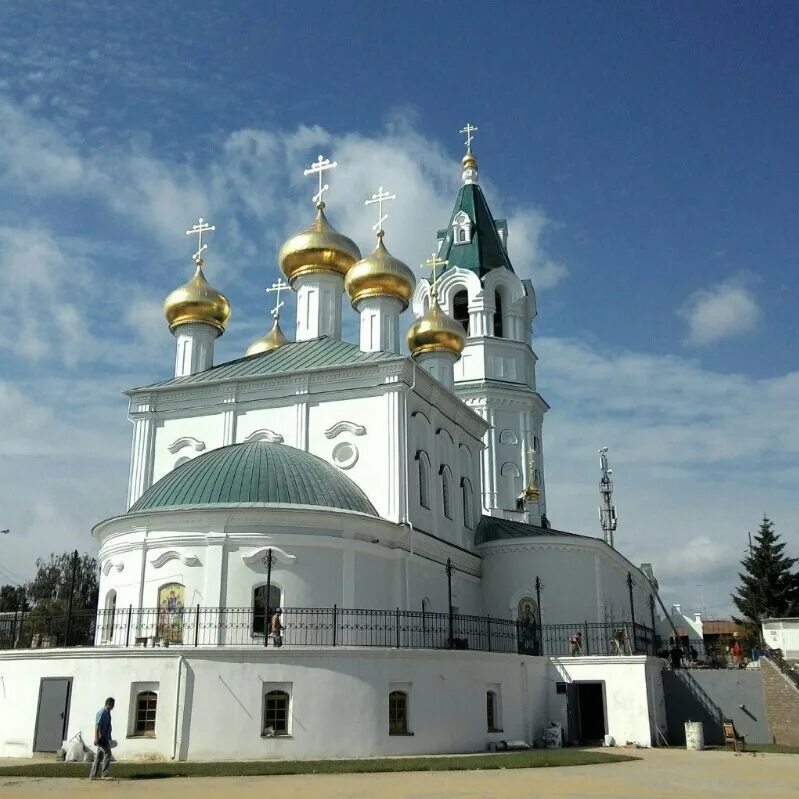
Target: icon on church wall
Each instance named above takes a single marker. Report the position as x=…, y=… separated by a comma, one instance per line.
x=171, y=608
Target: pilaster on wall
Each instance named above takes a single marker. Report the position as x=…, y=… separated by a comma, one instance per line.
x=229, y=418
x=142, y=451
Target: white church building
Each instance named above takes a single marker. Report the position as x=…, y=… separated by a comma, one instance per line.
x=392, y=506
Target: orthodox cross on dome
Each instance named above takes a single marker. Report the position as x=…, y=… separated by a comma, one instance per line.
x=277, y=287
x=468, y=129
x=197, y=230
x=318, y=167
x=531, y=466
x=381, y=197
x=432, y=264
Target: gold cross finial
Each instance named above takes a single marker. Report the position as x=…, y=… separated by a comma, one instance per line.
x=468, y=129
x=432, y=264
x=318, y=167
x=197, y=230
x=381, y=197
x=277, y=287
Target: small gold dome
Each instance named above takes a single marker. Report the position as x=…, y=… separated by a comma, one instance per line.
x=380, y=274
x=469, y=161
x=435, y=331
x=197, y=302
x=271, y=341
x=318, y=248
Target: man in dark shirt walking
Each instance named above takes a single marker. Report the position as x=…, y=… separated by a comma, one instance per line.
x=102, y=740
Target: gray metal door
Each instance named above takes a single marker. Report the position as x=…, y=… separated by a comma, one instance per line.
x=52, y=717
x=572, y=715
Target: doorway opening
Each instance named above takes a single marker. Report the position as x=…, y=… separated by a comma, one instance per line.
x=52, y=716
x=591, y=712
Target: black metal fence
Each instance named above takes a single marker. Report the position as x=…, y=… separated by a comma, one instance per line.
x=319, y=627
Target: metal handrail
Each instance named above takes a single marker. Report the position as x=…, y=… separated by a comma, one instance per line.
x=775, y=656
x=334, y=627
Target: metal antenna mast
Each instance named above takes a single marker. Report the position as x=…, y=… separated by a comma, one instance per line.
x=607, y=510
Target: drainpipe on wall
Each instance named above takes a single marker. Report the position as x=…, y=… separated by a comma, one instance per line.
x=178, y=721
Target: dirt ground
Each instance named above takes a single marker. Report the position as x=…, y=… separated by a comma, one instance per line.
x=675, y=774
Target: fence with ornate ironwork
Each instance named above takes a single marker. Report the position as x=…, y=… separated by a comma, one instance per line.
x=319, y=627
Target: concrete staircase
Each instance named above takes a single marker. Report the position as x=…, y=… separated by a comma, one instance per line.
x=781, y=695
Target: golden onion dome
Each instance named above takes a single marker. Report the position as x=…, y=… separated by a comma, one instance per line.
x=435, y=331
x=380, y=274
x=318, y=248
x=271, y=341
x=469, y=161
x=197, y=302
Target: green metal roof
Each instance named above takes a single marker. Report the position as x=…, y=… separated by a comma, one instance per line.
x=255, y=472
x=296, y=356
x=485, y=251
x=492, y=528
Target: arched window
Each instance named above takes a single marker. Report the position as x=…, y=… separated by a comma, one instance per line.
x=492, y=716
x=171, y=612
x=536, y=444
x=424, y=479
x=466, y=487
x=146, y=708
x=460, y=309
x=398, y=713
x=260, y=619
x=109, y=615
x=446, y=491
x=497, y=314
x=276, y=713
x=462, y=228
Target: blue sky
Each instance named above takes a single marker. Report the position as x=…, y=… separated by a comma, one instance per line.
x=644, y=154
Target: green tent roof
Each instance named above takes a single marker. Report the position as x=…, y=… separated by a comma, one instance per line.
x=255, y=472
x=296, y=356
x=485, y=250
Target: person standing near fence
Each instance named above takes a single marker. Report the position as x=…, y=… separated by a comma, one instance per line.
x=576, y=644
x=102, y=740
x=276, y=628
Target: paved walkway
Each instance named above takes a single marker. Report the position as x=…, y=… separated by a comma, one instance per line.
x=666, y=774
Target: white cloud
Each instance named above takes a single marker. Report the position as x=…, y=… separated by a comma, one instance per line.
x=720, y=312
x=695, y=462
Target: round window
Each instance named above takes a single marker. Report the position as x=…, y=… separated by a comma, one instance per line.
x=345, y=455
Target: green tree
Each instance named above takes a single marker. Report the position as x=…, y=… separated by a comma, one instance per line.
x=769, y=588
x=49, y=590
x=12, y=597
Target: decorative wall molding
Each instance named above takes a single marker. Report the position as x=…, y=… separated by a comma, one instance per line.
x=507, y=436
x=186, y=441
x=173, y=554
x=109, y=564
x=345, y=426
x=265, y=435
x=255, y=556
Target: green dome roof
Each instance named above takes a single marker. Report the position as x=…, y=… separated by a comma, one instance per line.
x=259, y=472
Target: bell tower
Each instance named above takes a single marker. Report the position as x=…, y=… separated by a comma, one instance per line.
x=495, y=375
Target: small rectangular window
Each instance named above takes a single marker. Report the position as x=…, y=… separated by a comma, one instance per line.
x=398, y=713
x=493, y=709
x=276, y=713
x=146, y=708
x=143, y=709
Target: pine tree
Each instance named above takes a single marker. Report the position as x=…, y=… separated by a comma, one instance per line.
x=769, y=588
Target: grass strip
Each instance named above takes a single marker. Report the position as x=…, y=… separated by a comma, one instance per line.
x=534, y=758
